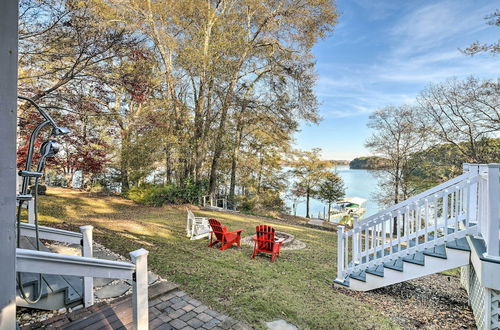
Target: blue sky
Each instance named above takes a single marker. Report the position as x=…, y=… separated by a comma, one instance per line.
x=384, y=53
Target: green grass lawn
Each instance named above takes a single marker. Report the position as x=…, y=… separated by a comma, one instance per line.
x=297, y=287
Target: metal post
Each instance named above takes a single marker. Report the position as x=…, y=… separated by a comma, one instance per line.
x=140, y=289
x=340, y=253
x=8, y=117
x=493, y=212
x=87, y=251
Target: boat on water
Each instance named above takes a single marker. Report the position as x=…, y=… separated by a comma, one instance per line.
x=348, y=207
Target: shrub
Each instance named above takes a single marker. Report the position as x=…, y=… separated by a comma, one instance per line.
x=158, y=195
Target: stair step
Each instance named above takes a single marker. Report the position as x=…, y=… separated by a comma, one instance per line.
x=416, y=258
x=459, y=244
x=343, y=283
x=437, y=252
x=395, y=265
x=377, y=271
x=361, y=276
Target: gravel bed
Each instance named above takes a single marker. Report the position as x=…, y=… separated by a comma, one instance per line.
x=433, y=302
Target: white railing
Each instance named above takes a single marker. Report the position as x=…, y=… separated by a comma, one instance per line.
x=210, y=201
x=61, y=264
x=467, y=204
x=87, y=266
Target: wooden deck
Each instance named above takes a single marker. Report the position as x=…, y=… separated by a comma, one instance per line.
x=169, y=308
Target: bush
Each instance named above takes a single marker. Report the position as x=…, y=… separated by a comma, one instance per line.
x=263, y=203
x=158, y=195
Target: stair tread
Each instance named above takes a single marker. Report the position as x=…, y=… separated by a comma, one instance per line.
x=417, y=258
x=459, y=244
x=438, y=251
x=377, y=271
x=360, y=276
x=395, y=265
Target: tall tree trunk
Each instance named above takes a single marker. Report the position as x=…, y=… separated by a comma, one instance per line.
x=329, y=209
x=307, y=203
x=168, y=166
x=125, y=186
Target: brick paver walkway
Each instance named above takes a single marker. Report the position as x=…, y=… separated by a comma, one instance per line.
x=169, y=308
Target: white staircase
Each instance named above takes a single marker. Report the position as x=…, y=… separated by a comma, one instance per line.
x=423, y=235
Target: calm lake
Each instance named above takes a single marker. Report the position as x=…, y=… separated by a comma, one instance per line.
x=358, y=183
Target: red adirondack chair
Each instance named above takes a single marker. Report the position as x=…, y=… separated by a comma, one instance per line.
x=226, y=238
x=265, y=242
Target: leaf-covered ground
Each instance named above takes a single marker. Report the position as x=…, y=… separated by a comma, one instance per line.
x=297, y=287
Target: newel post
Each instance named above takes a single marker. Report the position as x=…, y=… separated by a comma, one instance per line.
x=473, y=194
x=87, y=251
x=355, y=241
x=140, y=289
x=340, y=253
x=493, y=212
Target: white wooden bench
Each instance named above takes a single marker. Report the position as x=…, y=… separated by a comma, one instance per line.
x=197, y=227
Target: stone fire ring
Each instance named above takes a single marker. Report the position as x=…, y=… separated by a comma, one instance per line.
x=290, y=243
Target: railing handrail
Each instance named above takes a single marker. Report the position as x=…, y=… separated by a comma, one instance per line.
x=54, y=234
x=413, y=199
x=125, y=269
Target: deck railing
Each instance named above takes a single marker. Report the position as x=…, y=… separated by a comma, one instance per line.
x=467, y=204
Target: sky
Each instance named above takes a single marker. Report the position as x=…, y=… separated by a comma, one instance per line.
x=384, y=53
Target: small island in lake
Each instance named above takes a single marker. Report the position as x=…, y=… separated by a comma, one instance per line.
x=369, y=163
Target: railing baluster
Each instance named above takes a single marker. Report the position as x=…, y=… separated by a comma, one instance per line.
x=355, y=244
x=398, y=227
x=406, y=228
x=384, y=236
x=374, y=241
x=426, y=221
x=367, y=243
x=445, y=214
x=436, y=219
x=457, y=204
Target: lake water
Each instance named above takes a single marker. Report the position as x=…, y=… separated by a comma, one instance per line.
x=358, y=183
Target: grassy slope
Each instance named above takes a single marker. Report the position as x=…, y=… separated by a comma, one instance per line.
x=297, y=287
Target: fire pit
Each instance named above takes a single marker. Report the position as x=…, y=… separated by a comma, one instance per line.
x=290, y=243
x=289, y=238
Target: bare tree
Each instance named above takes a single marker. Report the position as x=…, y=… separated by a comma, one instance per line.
x=493, y=48
x=463, y=113
x=398, y=134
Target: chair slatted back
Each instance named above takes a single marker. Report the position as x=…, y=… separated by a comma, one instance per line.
x=216, y=228
x=265, y=237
